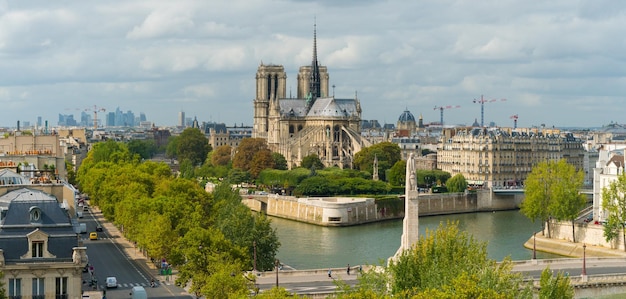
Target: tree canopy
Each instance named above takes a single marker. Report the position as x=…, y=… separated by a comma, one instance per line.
x=193, y=145
x=449, y=263
x=614, y=203
x=551, y=190
x=221, y=155
x=457, y=183
x=387, y=154
x=246, y=151
x=311, y=161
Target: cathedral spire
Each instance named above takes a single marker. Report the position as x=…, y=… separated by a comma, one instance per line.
x=314, y=79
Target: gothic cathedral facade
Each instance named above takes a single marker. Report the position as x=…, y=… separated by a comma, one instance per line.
x=312, y=123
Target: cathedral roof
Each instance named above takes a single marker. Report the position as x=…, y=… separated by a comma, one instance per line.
x=327, y=107
x=332, y=107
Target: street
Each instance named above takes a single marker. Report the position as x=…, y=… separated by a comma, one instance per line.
x=112, y=255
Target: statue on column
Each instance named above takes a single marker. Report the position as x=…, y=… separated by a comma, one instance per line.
x=410, y=224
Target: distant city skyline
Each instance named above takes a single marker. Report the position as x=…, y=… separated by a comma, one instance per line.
x=559, y=63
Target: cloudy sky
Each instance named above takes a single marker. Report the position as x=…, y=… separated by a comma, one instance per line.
x=559, y=63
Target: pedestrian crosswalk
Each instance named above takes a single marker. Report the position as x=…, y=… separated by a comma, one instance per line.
x=137, y=284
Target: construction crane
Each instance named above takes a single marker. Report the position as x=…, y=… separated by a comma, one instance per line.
x=514, y=118
x=445, y=107
x=95, y=110
x=482, y=102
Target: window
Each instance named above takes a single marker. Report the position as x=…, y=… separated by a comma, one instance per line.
x=38, y=288
x=37, y=248
x=61, y=288
x=15, y=288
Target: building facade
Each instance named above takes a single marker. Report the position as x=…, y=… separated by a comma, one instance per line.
x=219, y=134
x=43, y=152
x=313, y=123
x=40, y=254
x=609, y=167
x=502, y=157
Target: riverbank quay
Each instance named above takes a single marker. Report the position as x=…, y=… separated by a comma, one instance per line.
x=348, y=211
x=567, y=248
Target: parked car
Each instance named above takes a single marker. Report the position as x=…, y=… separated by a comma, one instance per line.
x=111, y=282
x=99, y=228
x=93, y=236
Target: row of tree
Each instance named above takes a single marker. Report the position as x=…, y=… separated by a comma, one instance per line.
x=207, y=236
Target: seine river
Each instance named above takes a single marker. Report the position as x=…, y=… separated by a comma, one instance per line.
x=307, y=246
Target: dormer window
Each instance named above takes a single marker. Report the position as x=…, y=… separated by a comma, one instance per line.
x=38, y=245
x=35, y=214
x=37, y=248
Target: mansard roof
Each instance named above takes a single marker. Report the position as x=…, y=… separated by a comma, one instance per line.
x=22, y=200
x=17, y=224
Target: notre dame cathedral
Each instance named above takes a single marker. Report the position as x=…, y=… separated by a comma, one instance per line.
x=312, y=123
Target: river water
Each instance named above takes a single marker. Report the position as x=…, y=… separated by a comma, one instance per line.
x=308, y=246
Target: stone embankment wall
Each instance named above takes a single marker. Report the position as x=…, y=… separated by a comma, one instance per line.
x=588, y=233
x=345, y=211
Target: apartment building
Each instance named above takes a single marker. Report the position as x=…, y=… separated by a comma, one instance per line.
x=503, y=157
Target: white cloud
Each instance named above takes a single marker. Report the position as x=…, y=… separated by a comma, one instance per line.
x=161, y=56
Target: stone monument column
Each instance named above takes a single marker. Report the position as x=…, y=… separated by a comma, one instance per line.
x=410, y=224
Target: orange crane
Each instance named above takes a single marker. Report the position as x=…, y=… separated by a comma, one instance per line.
x=514, y=118
x=445, y=107
x=95, y=110
x=482, y=102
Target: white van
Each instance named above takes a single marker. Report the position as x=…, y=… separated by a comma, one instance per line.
x=138, y=293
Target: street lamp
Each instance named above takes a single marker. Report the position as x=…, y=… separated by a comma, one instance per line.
x=534, y=246
x=584, y=260
x=276, y=263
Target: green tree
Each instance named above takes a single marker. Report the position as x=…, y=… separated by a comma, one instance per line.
x=614, y=203
x=445, y=263
x=221, y=155
x=246, y=150
x=387, y=154
x=210, y=264
x=429, y=178
x=457, y=183
x=144, y=148
x=315, y=185
x=311, y=161
x=551, y=190
x=236, y=176
x=397, y=174
x=186, y=169
x=192, y=145
x=71, y=174
x=558, y=286
x=567, y=199
x=245, y=229
x=280, y=162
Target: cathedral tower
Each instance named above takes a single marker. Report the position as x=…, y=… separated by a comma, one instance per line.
x=271, y=84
